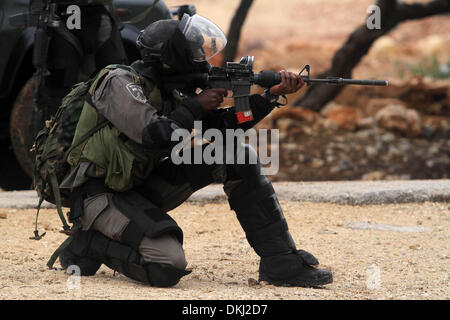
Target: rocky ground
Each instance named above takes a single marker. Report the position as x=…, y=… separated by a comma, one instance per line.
x=396, y=251
x=393, y=136
x=369, y=154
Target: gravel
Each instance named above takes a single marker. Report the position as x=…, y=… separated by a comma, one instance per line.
x=366, y=264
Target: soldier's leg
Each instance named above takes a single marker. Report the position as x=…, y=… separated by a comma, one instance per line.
x=129, y=234
x=253, y=198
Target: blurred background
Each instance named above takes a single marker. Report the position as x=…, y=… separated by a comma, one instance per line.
x=370, y=133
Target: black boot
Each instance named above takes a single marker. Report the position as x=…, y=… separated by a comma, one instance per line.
x=76, y=254
x=262, y=219
x=301, y=274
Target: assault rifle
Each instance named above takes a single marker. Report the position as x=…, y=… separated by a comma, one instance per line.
x=239, y=77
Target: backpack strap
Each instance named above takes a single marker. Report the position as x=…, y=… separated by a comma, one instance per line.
x=58, y=251
x=102, y=73
x=86, y=136
x=55, y=188
x=36, y=232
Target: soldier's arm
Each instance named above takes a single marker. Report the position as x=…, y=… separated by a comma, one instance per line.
x=123, y=103
x=226, y=118
x=261, y=105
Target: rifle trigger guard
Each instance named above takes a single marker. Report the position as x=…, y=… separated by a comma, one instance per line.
x=285, y=102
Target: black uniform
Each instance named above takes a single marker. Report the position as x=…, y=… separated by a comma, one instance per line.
x=131, y=231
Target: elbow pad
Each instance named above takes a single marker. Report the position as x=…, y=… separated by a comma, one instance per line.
x=185, y=115
x=157, y=134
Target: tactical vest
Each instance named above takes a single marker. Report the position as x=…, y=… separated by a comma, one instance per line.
x=124, y=162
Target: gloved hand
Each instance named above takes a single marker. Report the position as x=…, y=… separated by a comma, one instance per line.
x=210, y=99
x=290, y=83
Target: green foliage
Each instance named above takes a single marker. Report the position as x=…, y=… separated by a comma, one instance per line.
x=430, y=67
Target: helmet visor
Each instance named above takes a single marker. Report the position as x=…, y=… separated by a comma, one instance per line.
x=204, y=37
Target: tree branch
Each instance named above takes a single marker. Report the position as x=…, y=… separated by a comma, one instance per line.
x=234, y=33
x=359, y=43
x=419, y=10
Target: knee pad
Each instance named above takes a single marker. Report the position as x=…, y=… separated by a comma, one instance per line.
x=164, y=249
x=164, y=275
x=117, y=256
x=145, y=219
x=129, y=262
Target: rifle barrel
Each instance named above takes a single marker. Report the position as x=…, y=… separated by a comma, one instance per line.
x=341, y=81
x=268, y=78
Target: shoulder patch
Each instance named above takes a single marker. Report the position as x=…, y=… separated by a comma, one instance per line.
x=137, y=92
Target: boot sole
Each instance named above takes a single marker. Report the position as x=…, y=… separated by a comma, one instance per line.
x=306, y=283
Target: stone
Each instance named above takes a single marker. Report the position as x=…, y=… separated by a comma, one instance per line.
x=362, y=225
x=365, y=134
x=344, y=164
x=394, y=151
x=290, y=147
x=366, y=123
x=435, y=124
x=335, y=169
x=253, y=282
x=285, y=124
x=317, y=163
x=387, y=138
x=295, y=113
x=394, y=177
x=374, y=176
x=329, y=125
x=397, y=118
x=371, y=151
x=377, y=104
x=344, y=117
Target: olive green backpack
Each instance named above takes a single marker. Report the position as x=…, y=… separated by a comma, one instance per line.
x=54, y=142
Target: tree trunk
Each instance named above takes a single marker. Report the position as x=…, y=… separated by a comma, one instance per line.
x=234, y=33
x=359, y=43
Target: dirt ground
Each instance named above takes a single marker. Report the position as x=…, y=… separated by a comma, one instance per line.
x=367, y=264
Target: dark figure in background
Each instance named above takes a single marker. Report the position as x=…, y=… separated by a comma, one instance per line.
x=122, y=183
x=76, y=55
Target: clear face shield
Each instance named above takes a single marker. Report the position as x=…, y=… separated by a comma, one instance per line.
x=204, y=37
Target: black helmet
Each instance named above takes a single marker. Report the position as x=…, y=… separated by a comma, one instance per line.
x=180, y=46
